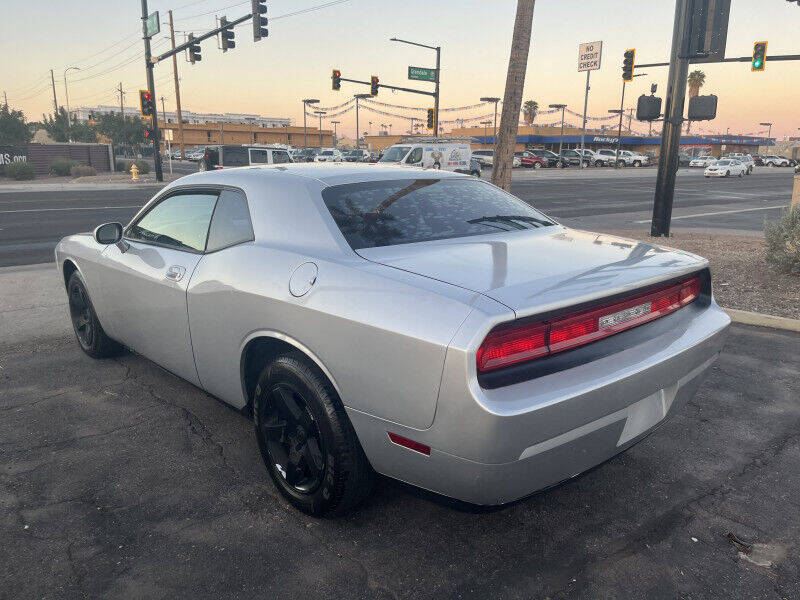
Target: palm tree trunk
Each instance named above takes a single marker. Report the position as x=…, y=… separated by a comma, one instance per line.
x=512, y=101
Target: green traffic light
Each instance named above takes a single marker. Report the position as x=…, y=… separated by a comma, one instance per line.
x=757, y=63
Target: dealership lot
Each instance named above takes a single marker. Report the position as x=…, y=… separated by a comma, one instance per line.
x=118, y=479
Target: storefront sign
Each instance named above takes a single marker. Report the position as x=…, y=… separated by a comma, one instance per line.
x=589, y=56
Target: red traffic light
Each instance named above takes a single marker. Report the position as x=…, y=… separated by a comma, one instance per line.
x=373, y=90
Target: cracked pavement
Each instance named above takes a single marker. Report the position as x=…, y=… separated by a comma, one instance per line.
x=119, y=480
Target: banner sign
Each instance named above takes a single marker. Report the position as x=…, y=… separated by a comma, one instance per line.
x=12, y=154
x=421, y=74
x=589, y=56
x=152, y=25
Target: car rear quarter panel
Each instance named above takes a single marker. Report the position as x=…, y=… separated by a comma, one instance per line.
x=380, y=333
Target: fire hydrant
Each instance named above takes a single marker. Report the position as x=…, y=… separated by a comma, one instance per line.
x=134, y=172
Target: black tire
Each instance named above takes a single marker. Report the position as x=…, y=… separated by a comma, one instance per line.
x=202, y=165
x=741, y=173
x=727, y=173
x=326, y=480
x=637, y=163
x=621, y=164
x=537, y=165
x=88, y=331
x=598, y=163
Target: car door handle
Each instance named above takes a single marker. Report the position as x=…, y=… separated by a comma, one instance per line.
x=175, y=273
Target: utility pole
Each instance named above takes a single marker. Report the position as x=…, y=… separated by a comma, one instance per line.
x=619, y=130
x=335, y=130
x=512, y=97
x=306, y=103
x=561, y=140
x=177, y=86
x=151, y=86
x=66, y=90
x=358, y=133
x=121, y=102
x=55, y=101
x=221, y=133
x=320, y=113
x=495, y=101
x=167, y=146
x=673, y=119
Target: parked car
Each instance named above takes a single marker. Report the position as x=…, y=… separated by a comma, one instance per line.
x=374, y=157
x=776, y=161
x=228, y=155
x=607, y=157
x=357, y=155
x=590, y=157
x=356, y=315
x=195, y=154
x=484, y=157
x=725, y=168
x=702, y=161
x=531, y=161
x=639, y=160
x=684, y=159
x=573, y=158
x=552, y=159
x=797, y=168
x=758, y=159
x=329, y=155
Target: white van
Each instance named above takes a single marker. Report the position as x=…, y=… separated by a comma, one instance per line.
x=435, y=153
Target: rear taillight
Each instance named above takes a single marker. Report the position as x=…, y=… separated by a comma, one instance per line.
x=508, y=346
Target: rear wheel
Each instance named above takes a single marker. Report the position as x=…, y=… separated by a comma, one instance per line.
x=727, y=173
x=306, y=440
x=88, y=331
x=621, y=164
x=741, y=173
x=637, y=163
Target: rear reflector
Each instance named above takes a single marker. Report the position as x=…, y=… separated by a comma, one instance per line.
x=410, y=444
x=504, y=347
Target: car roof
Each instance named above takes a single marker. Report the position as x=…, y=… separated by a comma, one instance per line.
x=326, y=173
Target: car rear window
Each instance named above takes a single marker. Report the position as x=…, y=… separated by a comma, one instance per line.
x=386, y=213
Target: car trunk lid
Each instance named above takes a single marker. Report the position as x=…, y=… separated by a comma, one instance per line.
x=537, y=271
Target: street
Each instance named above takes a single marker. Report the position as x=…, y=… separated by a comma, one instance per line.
x=31, y=222
x=118, y=479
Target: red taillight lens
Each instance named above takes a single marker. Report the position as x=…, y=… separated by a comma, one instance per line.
x=506, y=346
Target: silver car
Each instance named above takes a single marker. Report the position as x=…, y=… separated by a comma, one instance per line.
x=425, y=325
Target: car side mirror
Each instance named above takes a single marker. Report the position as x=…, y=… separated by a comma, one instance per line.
x=108, y=233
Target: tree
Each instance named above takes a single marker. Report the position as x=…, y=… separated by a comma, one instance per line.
x=512, y=99
x=13, y=128
x=529, y=110
x=63, y=129
x=695, y=81
x=124, y=132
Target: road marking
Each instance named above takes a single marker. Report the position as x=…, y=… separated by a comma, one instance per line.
x=722, y=212
x=26, y=210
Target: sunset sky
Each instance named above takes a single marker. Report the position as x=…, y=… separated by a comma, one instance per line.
x=270, y=77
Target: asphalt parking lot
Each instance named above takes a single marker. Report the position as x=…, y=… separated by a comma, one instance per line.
x=119, y=480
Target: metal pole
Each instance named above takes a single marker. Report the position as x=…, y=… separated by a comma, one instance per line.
x=305, y=126
x=561, y=141
x=55, y=101
x=320, y=130
x=167, y=145
x=436, y=91
x=494, y=133
x=671, y=133
x=151, y=86
x=619, y=130
x=583, y=130
x=177, y=88
x=121, y=103
x=358, y=134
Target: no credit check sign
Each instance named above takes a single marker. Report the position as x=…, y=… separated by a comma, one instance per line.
x=589, y=56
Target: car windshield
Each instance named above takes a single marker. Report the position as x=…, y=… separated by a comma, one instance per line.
x=722, y=163
x=385, y=213
x=395, y=154
x=327, y=152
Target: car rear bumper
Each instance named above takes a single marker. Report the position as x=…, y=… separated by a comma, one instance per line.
x=495, y=446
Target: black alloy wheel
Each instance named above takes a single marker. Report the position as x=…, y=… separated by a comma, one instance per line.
x=81, y=313
x=292, y=439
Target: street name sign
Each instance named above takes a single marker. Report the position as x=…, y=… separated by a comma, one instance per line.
x=589, y=56
x=152, y=25
x=422, y=74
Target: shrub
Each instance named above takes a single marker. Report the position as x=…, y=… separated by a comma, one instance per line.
x=20, y=171
x=142, y=166
x=82, y=171
x=61, y=166
x=124, y=166
x=783, y=243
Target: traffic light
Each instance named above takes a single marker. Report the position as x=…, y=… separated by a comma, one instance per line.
x=373, y=90
x=431, y=117
x=150, y=135
x=648, y=108
x=336, y=77
x=259, y=22
x=627, y=64
x=147, y=105
x=194, y=50
x=228, y=34
x=759, y=56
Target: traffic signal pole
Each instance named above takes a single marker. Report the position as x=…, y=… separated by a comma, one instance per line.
x=436, y=94
x=673, y=120
x=151, y=86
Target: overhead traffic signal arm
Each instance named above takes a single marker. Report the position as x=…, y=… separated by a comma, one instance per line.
x=375, y=84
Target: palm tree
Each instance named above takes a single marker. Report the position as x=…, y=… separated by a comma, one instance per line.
x=512, y=99
x=695, y=81
x=529, y=110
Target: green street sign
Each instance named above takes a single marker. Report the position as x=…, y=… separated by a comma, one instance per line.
x=422, y=74
x=152, y=25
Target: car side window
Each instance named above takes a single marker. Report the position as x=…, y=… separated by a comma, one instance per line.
x=280, y=157
x=180, y=221
x=235, y=156
x=415, y=156
x=231, y=223
x=259, y=157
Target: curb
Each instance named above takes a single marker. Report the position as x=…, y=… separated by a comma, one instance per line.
x=751, y=318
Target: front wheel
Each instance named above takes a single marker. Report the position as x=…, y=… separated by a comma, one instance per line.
x=537, y=165
x=621, y=164
x=727, y=173
x=306, y=440
x=90, y=334
x=637, y=163
x=598, y=163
